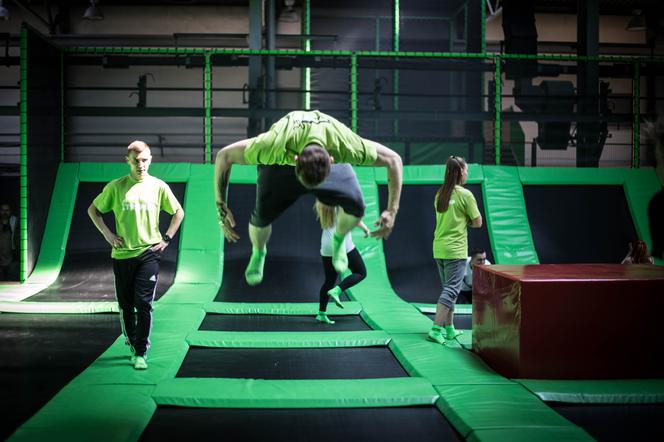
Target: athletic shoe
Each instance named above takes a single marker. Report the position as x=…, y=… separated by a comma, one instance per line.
x=322, y=317
x=140, y=363
x=436, y=336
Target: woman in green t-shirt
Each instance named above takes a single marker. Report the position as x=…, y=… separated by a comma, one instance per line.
x=456, y=209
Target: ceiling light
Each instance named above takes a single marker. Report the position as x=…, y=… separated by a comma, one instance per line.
x=93, y=12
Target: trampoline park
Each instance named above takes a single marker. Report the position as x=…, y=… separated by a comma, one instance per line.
x=560, y=341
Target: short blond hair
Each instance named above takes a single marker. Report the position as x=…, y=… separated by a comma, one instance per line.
x=137, y=146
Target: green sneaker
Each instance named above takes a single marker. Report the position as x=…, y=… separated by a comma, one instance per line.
x=436, y=336
x=254, y=272
x=140, y=363
x=451, y=333
x=334, y=293
x=322, y=317
x=339, y=257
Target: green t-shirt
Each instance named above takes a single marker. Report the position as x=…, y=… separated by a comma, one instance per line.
x=450, y=240
x=136, y=206
x=288, y=136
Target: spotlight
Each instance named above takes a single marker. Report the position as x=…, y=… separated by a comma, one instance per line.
x=4, y=12
x=93, y=12
x=637, y=22
x=289, y=15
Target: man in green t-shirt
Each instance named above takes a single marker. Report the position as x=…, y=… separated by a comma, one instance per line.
x=136, y=200
x=305, y=152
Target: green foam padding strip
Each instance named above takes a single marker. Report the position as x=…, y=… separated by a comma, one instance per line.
x=442, y=365
x=59, y=307
x=559, y=176
x=84, y=413
x=244, y=174
x=56, y=233
x=282, y=308
x=200, y=229
x=506, y=217
x=640, y=186
x=546, y=434
x=260, y=393
x=619, y=391
x=199, y=267
x=231, y=339
x=466, y=339
x=105, y=172
x=183, y=293
x=493, y=407
x=429, y=174
x=382, y=308
x=461, y=309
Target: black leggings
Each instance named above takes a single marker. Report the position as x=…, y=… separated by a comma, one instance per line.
x=355, y=265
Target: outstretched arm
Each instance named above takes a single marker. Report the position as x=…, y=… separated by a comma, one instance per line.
x=390, y=159
x=226, y=157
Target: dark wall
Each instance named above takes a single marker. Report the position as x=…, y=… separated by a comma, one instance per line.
x=43, y=135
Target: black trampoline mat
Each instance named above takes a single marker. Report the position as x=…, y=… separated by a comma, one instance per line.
x=288, y=363
x=87, y=270
x=616, y=422
x=461, y=322
x=394, y=424
x=579, y=224
x=285, y=279
x=414, y=275
x=41, y=353
x=279, y=323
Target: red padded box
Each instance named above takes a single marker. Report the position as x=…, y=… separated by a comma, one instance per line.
x=570, y=321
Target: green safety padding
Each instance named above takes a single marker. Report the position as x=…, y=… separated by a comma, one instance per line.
x=170, y=326
x=84, y=413
x=546, y=434
x=493, y=407
x=59, y=307
x=382, y=308
x=105, y=172
x=244, y=174
x=200, y=228
x=466, y=339
x=506, y=217
x=618, y=391
x=442, y=365
x=429, y=174
x=260, y=393
x=280, y=308
x=183, y=293
x=640, y=186
x=199, y=267
x=232, y=339
x=461, y=309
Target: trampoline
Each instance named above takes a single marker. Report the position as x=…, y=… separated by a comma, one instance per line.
x=268, y=323
x=293, y=268
x=87, y=272
x=579, y=224
x=288, y=363
x=322, y=425
x=616, y=422
x=413, y=231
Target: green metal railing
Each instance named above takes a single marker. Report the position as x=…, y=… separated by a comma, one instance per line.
x=23, y=157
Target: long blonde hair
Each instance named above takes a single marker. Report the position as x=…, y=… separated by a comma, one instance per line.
x=326, y=215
